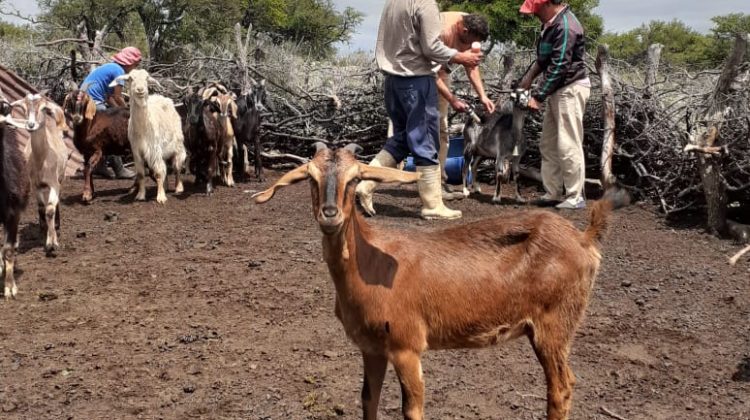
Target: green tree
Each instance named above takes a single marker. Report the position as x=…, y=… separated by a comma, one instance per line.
x=13, y=32
x=682, y=45
x=723, y=32
x=315, y=24
x=158, y=26
x=507, y=24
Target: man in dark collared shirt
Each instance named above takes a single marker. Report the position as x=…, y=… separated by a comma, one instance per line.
x=565, y=85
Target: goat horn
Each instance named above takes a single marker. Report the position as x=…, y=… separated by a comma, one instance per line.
x=319, y=146
x=156, y=82
x=289, y=178
x=354, y=148
x=209, y=92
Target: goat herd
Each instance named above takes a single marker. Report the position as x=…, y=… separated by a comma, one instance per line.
x=152, y=130
x=397, y=294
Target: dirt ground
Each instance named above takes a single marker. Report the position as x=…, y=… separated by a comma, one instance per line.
x=216, y=308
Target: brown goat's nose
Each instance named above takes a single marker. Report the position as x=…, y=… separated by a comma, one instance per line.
x=330, y=211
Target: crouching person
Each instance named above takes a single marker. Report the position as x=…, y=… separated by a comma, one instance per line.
x=408, y=46
x=566, y=87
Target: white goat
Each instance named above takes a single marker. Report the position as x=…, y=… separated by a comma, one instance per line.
x=47, y=155
x=155, y=134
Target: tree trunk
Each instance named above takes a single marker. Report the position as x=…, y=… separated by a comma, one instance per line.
x=706, y=134
x=652, y=67
x=608, y=116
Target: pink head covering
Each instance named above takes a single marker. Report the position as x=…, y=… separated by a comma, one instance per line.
x=530, y=7
x=127, y=56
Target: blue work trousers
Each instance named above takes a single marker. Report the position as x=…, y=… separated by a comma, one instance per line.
x=412, y=105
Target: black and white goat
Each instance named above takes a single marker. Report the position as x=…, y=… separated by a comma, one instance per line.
x=500, y=137
x=14, y=194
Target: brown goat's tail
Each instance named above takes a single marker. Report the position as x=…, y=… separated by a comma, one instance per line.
x=614, y=198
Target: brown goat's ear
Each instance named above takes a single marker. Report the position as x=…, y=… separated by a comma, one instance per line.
x=59, y=118
x=90, y=109
x=233, y=109
x=289, y=178
x=381, y=174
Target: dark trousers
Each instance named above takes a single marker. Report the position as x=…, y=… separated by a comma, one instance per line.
x=412, y=105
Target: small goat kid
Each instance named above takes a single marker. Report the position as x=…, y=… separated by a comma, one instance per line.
x=95, y=134
x=399, y=294
x=500, y=137
x=14, y=194
x=155, y=134
x=47, y=156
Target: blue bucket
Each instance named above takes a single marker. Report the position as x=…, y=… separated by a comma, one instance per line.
x=453, y=164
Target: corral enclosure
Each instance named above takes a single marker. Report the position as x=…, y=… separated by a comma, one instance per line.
x=218, y=308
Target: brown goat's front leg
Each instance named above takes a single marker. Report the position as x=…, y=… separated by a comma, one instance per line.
x=409, y=370
x=88, y=180
x=375, y=367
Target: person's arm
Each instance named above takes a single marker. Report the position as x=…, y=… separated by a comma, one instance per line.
x=445, y=92
x=432, y=47
x=115, y=99
x=532, y=73
x=475, y=78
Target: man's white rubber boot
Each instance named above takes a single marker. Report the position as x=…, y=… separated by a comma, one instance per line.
x=365, y=188
x=430, y=192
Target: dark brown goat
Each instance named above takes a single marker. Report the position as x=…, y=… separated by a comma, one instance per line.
x=95, y=134
x=14, y=194
x=202, y=136
x=250, y=106
x=401, y=293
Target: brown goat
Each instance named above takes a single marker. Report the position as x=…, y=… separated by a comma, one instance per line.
x=95, y=134
x=399, y=294
x=203, y=136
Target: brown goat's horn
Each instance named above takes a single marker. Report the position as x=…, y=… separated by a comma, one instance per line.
x=354, y=148
x=319, y=146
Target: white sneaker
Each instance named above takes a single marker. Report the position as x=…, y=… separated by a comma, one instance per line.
x=572, y=203
x=547, y=200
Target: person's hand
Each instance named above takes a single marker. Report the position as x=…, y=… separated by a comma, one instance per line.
x=459, y=105
x=468, y=58
x=534, y=105
x=489, y=106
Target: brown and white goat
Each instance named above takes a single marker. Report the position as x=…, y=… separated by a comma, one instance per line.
x=225, y=100
x=95, y=134
x=14, y=194
x=47, y=156
x=401, y=293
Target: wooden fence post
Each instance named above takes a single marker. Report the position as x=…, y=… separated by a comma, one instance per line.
x=652, y=66
x=706, y=134
x=608, y=116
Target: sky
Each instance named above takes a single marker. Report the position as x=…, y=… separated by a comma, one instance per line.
x=619, y=15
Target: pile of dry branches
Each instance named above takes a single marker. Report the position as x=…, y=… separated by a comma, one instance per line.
x=341, y=101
